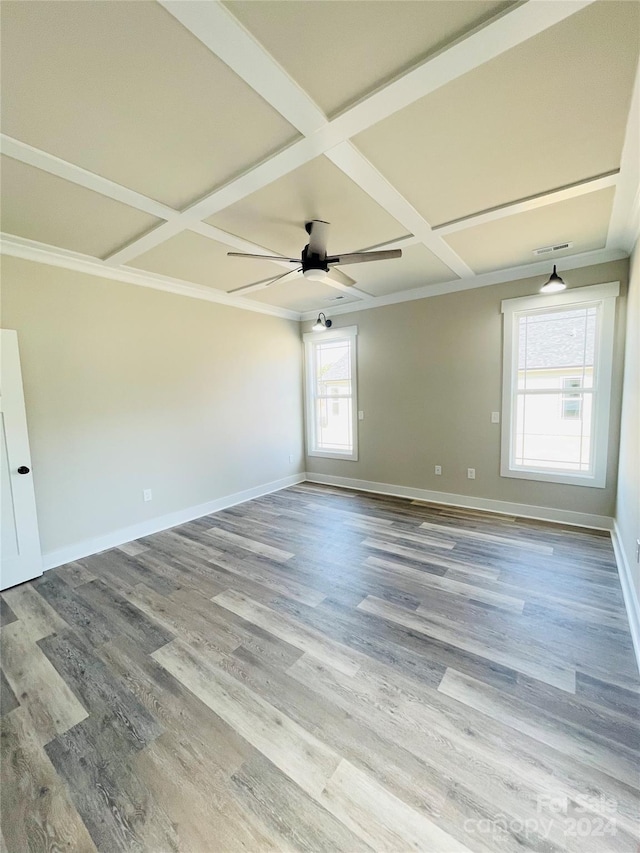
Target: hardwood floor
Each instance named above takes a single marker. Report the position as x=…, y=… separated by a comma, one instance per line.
x=329, y=671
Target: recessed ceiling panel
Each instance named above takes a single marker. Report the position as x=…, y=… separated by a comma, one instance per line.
x=416, y=268
x=191, y=257
x=43, y=207
x=300, y=294
x=339, y=52
x=275, y=215
x=510, y=242
x=124, y=90
x=547, y=113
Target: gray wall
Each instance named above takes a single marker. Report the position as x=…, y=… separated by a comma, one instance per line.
x=430, y=374
x=628, y=501
x=130, y=388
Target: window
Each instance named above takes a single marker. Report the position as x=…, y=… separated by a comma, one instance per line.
x=558, y=353
x=330, y=368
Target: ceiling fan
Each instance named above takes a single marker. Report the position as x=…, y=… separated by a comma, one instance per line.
x=315, y=264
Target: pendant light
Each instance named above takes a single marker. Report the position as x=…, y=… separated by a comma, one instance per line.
x=554, y=285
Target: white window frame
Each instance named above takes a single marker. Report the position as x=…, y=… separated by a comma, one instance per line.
x=349, y=333
x=604, y=296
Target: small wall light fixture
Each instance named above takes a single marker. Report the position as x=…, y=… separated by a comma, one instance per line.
x=321, y=323
x=554, y=284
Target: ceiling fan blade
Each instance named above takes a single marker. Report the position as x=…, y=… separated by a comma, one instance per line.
x=318, y=234
x=263, y=257
x=361, y=257
x=261, y=285
x=340, y=277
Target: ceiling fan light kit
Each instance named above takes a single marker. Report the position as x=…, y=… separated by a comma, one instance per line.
x=315, y=275
x=554, y=284
x=314, y=263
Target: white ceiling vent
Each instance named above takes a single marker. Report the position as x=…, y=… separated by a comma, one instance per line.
x=550, y=250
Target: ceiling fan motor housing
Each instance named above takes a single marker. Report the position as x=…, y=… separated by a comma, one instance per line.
x=312, y=261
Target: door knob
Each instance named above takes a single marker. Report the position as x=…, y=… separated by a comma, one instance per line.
x=23, y=469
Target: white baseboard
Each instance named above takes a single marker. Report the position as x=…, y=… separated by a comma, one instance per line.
x=154, y=525
x=628, y=590
x=541, y=513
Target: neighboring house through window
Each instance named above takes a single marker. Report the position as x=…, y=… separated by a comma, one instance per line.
x=331, y=403
x=558, y=353
x=571, y=398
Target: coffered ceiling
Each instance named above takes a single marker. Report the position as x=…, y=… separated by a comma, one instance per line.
x=144, y=140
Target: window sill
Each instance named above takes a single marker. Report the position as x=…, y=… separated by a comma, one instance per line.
x=566, y=478
x=332, y=454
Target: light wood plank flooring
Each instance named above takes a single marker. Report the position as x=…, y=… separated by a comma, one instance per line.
x=328, y=671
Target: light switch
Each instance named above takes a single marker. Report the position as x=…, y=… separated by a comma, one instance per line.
x=360, y=416
x=495, y=417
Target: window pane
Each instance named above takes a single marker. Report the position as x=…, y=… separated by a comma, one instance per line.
x=552, y=345
x=547, y=438
x=333, y=369
x=334, y=425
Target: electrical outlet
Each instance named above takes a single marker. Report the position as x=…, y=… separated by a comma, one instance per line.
x=495, y=417
x=291, y=457
x=438, y=470
x=147, y=495
x=471, y=473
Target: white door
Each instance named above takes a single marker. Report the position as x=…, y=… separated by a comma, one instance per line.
x=20, y=558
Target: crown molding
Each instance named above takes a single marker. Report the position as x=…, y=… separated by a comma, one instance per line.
x=586, y=259
x=42, y=253
x=31, y=250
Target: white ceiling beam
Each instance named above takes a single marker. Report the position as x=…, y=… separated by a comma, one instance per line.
x=236, y=243
x=624, y=225
x=590, y=185
x=356, y=166
x=224, y=35
x=32, y=250
x=258, y=285
x=149, y=241
x=255, y=179
x=488, y=41
x=76, y=175
x=400, y=243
